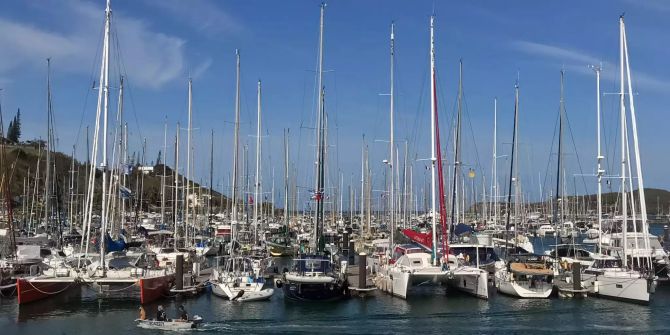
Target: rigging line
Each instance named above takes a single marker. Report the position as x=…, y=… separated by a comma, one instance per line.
x=474, y=143
x=551, y=148
x=127, y=87
x=574, y=145
x=91, y=80
x=418, y=119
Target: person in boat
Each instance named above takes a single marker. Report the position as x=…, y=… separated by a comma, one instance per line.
x=182, y=315
x=160, y=315
x=143, y=313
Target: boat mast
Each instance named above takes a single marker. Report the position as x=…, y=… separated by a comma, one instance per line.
x=622, y=114
x=320, y=140
x=286, y=181
x=233, y=221
x=104, y=95
x=211, y=180
x=599, y=159
x=47, y=179
x=559, y=169
x=257, y=183
x=511, y=167
x=433, y=159
x=494, y=192
x=363, y=227
x=164, y=171
x=638, y=163
x=392, y=160
x=457, y=155
x=176, y=186
x=187, y=196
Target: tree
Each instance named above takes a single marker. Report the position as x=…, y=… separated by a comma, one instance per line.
x=17, y=124
x=10, y=130
x=14, y=129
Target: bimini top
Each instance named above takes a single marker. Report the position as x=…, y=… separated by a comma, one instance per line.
x=312, y=263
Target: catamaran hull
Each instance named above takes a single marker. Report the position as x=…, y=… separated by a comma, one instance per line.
x=471, y=282
x=146, y=290
x=399, y=283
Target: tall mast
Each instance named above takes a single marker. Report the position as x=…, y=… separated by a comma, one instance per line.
x=187, y=196
x=257, y=183
x=176, y=185
x=432, y=138
x=47, y=179
x=236, y=146
x=320, y=139
x=599, y=159
x=494, y=192
x=286, y=181
x=211, y=180
x=363, y=183
x=104, y=94
x=622, y=114
x=392, y=160
x=457, y=154
x=122, y=147
x=164, y=171
x=511, y=167
x=638, y=163
x=559, y=170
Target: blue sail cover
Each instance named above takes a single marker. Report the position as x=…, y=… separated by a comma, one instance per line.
x=462, y=229
x=111, y=245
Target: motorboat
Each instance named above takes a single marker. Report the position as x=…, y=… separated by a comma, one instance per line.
x=175, y=325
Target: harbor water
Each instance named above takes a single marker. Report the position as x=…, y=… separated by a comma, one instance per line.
x=429, y=310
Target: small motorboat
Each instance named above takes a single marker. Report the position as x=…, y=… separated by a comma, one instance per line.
x=170, y=324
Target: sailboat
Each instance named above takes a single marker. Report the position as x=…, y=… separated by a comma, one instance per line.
x=470, y=272
x=281, y=244
x=116, y=274
x=416, y=266
x=617, y=271
x=525, y=275
x=235, y=277
x=317, y=276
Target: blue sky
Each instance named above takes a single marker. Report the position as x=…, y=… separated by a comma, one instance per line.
x=163, y=42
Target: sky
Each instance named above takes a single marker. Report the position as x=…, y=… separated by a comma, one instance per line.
x=158, y=45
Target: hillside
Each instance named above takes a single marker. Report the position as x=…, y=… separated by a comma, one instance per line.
x=22, y=162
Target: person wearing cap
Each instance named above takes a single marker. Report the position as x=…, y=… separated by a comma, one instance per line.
x=160, y=315
x=143, y=313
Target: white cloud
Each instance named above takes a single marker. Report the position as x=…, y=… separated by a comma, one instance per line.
x=202, y=15
x=579, y=62
x=151, y=59
x=201, y=68
x=554, y=52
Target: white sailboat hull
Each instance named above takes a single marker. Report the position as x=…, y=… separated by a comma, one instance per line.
x=470, y=280
x=522, y=289
x=620, y=285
